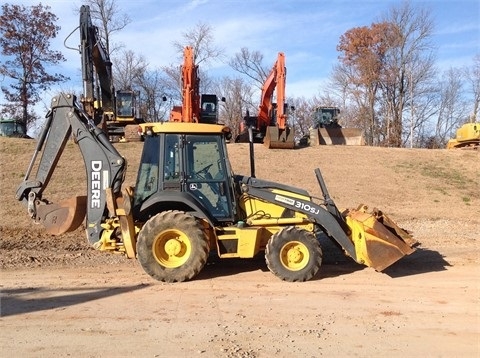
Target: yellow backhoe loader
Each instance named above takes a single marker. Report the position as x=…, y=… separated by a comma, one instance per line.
x=188, y=203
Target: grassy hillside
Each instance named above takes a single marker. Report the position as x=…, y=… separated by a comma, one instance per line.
x=405, y=183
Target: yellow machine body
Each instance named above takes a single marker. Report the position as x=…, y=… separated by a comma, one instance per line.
x=467, y=136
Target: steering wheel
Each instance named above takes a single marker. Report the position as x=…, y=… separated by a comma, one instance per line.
x=204, y=170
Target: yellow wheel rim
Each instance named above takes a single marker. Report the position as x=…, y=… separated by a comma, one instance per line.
x=294, y=256
x=171, y=248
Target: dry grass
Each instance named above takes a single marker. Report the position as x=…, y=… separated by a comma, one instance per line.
x=405, y=183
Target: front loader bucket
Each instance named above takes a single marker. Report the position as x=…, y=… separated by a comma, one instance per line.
x=378, y=240
x=63, y=217
x=279, y=138
x=337, y=136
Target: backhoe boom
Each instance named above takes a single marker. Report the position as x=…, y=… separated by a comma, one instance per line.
x=105, y=169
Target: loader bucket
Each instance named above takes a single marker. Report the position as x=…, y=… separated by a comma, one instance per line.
x=63, y=217
x=379, y=241
x=338, y=136
x=279, y=138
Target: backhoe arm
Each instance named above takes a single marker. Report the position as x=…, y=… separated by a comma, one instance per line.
x=105, y=169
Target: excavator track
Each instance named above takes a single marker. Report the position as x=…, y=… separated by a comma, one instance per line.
x=131, y=133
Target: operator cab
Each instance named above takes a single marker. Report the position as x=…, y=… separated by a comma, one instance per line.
x=185, y=171
x=125, y=104
x=209, y=108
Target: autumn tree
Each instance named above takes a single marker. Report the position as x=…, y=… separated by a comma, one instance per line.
x=25, y=43
x=363, y=52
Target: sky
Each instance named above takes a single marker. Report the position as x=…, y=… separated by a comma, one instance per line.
x=307, y=31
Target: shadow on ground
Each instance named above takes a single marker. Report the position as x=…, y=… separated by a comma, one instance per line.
x=19, y=301
x=334, y=263
x=421, y=261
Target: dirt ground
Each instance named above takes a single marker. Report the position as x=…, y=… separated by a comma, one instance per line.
x=61, y=298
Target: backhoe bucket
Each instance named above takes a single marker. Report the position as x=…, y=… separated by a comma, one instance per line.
x=378, y=240
x=279, y=138
x=336, y=136
x=63, y=217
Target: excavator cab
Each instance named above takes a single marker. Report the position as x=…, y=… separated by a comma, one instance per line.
x=209, y=108
x=125, y=106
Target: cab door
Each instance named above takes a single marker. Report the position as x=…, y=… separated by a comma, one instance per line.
x=207, y=177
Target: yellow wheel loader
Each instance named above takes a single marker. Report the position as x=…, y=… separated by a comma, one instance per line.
x=188, y=203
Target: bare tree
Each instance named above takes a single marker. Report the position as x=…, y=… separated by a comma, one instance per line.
x=472, y=76
x=409, y=65
x=155, y=105
x=249, y=63
x=451, y=112
x=300, y=115
x=108, y=18
x=25, y=41
x=202, y=41
x=129, y=69
x=238, y=96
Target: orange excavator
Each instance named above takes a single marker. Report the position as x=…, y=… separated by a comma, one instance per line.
x=270, y=126
x=195, y=108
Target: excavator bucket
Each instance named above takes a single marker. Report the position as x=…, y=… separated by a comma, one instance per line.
x=63, y=217
x=276, y=138
x=336, y=136
x=378, y=240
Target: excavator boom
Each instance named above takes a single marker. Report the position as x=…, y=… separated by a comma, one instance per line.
x=195, y=108
x=271, y=125
x=189, y=111
x=114, y=111
x=95, y=60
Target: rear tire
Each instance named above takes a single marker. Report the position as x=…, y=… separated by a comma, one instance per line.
x=293, y=254
x=172, y=247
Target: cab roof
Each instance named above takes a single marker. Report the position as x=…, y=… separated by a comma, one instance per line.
x=184, y=127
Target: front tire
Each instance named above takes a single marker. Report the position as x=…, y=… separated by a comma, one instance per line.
x=172, y=247
x=293, y=254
